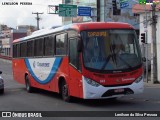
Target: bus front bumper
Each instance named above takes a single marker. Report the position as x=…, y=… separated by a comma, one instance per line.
x=101, y=92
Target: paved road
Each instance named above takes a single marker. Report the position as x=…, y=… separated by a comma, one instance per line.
x=17, y=99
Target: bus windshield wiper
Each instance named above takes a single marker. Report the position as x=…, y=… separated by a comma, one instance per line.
x=125, y=62
x=107, y=60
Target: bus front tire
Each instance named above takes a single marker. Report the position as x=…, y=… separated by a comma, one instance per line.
x=2, y=91
x=64, y=92
x=28, y=85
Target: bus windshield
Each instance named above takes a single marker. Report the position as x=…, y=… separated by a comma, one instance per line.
x=110, y=50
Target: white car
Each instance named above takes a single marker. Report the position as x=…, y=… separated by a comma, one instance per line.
x=1, y=84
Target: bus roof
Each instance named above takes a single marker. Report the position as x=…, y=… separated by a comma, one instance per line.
x=79, y=27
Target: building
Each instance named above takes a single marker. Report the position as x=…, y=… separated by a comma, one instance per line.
x=145, y=11
x=3, y=27
x=7, y=36
x=28, y=28
x=79, y=19
x=5, y=33
x=106, y=11
x=119, y=11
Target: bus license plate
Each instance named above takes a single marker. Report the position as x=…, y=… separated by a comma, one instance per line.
x=119, y=90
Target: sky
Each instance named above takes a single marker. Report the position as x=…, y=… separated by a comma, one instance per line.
x=14, y=15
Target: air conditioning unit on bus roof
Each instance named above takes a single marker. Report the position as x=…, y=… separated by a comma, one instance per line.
x=42, y=30
x=55, y=26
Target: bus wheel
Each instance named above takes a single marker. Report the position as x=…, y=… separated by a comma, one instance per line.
x=28, y=85
x=2, y=91
x=64, y=92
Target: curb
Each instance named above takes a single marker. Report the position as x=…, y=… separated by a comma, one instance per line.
x=4, y=60
x=150, y=84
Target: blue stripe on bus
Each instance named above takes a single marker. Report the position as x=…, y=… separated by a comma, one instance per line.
x=52, y=73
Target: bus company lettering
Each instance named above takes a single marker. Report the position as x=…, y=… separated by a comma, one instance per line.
x=39, y=64
x=42, y=64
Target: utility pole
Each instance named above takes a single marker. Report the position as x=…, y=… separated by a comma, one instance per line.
x=98, y=11
x=145, y=45
x=37, y=18
x=154, y=45
x=146, y=41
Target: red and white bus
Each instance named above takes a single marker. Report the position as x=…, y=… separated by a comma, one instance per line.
x=85, y=60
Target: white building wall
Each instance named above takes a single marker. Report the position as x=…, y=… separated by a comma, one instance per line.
x=158, y=46
x=125, y=16
x=150, y=39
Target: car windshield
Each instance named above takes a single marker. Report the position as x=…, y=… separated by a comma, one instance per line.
x=110, y=49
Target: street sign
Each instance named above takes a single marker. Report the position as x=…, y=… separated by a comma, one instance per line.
x=124, y=4
x=84, y=11
x=67, y=10
x=53, y=9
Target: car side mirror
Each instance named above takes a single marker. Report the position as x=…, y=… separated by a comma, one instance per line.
x=0, y=72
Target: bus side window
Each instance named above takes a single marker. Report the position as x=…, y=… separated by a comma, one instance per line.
x=18, y=50
x=14, y=51
x=74, y=57
x=49, y=46
x=23, y=49
x=39, y=47
x=30, y=48
x=61, y=41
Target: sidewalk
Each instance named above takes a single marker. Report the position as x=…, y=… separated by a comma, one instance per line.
x=4, y=60
x=150, y=82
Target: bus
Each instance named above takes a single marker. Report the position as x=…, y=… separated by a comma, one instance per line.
x=92, y=60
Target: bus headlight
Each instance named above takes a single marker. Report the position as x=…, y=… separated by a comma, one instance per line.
x=91, y=82
x=139, y=79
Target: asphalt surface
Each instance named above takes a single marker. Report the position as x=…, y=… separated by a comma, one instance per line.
x=16, y=98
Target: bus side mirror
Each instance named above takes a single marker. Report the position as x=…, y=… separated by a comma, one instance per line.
x=79, y=45
x=143, y=59
x=0, y=72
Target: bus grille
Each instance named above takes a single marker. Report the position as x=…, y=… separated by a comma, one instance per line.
x=111, y=92
x=117, y=85
x=117, y=75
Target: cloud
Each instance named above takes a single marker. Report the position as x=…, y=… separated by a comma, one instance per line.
x=14, y=15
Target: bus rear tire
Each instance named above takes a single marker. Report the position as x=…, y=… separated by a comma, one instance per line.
x=28, y=85
x=64, y=92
